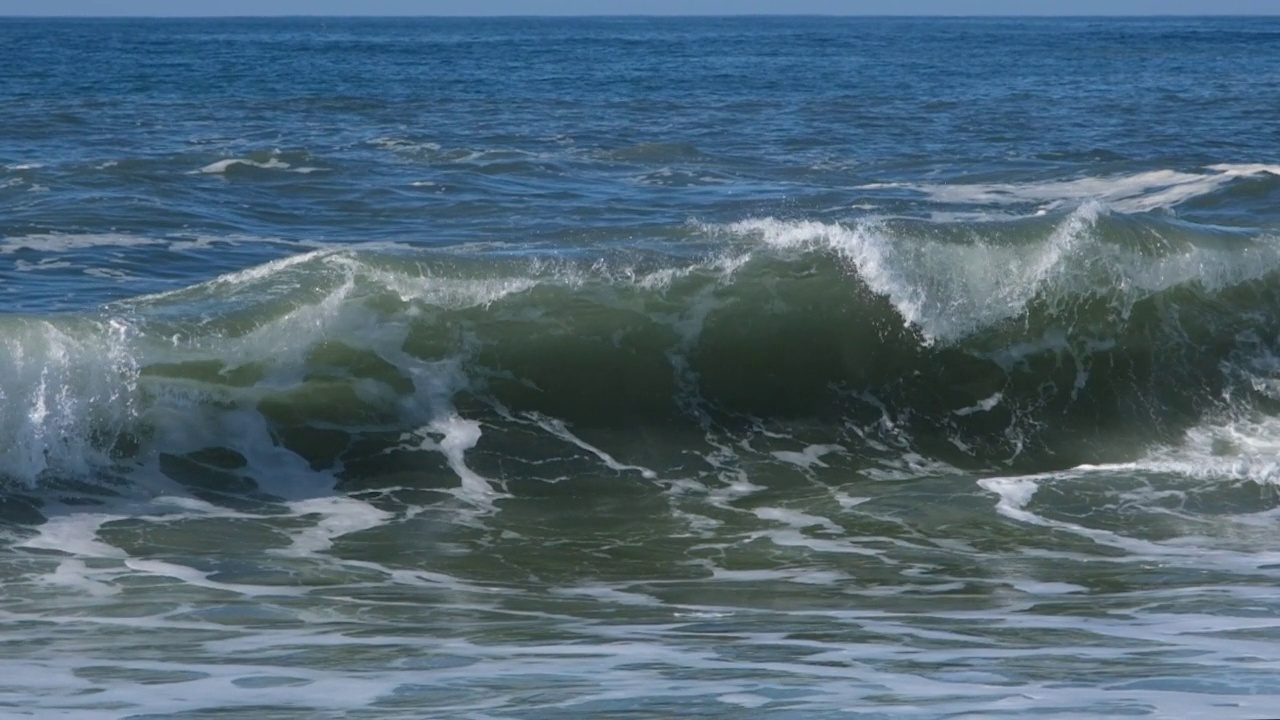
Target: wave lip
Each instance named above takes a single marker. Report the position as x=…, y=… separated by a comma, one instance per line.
x=952, y=285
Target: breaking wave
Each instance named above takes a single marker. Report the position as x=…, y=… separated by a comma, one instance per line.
x=1036, y=344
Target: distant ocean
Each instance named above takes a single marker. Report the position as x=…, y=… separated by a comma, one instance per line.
x=577, y=368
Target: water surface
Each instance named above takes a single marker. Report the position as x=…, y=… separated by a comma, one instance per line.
x=769, y=367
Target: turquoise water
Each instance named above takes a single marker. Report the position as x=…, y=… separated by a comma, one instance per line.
x=786, y=367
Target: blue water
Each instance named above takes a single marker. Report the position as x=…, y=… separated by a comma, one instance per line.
x=777, y=367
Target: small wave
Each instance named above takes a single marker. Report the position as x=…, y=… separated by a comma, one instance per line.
x=1137, y=192
x=432, y=152
x=228, y=165
x=402, y=145
x=222, y=166
x=657, y=153
x=64, y=242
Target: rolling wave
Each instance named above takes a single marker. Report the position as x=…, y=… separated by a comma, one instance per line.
x=1037, y=344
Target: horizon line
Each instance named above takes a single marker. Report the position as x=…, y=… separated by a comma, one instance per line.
x=141, y=16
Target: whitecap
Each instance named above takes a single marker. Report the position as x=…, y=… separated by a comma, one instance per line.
x=1134, y=192
x=222, y=166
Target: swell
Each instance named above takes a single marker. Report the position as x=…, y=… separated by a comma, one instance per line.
x=1037, y=344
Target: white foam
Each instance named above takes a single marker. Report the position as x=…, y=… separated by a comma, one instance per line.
x=75, y=534
x=61, y=383
x=949, y=290
x=985, y=405
x=1033, y=587
x=1242, y=448
x=808, y=458
x=442, y=428
x=946, y=290
x=222, y=166
x=1226, y=450
x=1014, y=494
x=74, y=575
x=110, y=274
x=457, y=436
x=1136, y=192
x=1163, y=473
x=792, y=575
x=559, y=429
x=196, y=578
x=44, y=264
x=847, y=501
x=339, y=515
x=65, y=242
x=864, y=245
x=797, y=519
x=794, y=535
x=609, y=595
x=453, y=293
x=403, y=145
x=748, y=701
x=55, y=243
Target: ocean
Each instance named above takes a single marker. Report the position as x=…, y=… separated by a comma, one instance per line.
x=640, y=367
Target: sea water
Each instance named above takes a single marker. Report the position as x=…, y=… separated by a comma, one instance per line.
x=721, y=367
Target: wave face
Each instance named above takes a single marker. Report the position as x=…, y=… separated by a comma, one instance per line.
x=1033, y=344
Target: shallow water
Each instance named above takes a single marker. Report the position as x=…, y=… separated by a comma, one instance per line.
x=639, y=367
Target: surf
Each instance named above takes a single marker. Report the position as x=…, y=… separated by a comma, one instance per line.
x=1033, y=344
